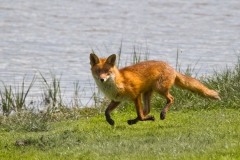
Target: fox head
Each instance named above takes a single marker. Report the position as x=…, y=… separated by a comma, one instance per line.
x=103, y=68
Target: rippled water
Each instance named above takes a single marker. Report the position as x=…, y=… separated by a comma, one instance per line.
x=58, y=35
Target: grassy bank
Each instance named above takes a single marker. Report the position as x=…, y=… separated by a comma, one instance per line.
x=205, y=134
x=195, y=127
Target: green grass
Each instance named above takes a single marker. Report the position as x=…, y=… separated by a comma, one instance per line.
x=13, y=99
x=205, y=134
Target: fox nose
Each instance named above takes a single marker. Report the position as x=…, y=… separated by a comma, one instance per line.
x=101, y=79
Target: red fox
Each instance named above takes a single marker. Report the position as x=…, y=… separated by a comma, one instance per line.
x=140, y=81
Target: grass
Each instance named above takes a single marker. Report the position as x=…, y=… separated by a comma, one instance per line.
x=202, y=134
x=14, y=99
x=52, y=93
x=195, y=127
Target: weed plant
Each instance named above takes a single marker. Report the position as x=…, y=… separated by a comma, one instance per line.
x=52, y=92
x=14, y=99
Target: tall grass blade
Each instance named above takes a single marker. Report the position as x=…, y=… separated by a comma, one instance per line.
x=15, y=101
x=119, y=55
x=52, y=93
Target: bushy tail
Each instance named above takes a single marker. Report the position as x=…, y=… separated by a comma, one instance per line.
x=194, y=85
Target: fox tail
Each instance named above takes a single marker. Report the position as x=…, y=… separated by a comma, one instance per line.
x=194, y=85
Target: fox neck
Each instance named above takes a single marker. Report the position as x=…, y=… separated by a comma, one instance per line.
x=110, y=87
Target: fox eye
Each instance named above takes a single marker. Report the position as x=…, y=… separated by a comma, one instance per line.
x=109, y=72
x=98, y=70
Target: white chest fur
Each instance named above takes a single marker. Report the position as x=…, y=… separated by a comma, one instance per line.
x=110, y=89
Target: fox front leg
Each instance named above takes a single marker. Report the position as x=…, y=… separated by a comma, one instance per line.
x=109, y=109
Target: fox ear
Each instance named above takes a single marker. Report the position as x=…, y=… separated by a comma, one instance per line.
x=111, y=59
x=94, y=59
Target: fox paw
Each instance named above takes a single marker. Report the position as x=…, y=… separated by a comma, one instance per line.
x=152, y=118
x=110, y=121
x=163, y=115
x=130, y=122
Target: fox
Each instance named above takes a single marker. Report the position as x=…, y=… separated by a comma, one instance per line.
x=140, y=81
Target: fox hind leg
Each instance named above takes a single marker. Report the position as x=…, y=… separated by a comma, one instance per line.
x=140, y=115
x=146, y=101
x=170, y=100
x=162, y=87
x=165, y=93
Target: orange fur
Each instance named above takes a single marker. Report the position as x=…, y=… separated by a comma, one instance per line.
x=140, y=81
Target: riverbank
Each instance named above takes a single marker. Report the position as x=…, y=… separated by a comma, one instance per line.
x=195, y=127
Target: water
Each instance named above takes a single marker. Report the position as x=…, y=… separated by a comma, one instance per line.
x=58, y=35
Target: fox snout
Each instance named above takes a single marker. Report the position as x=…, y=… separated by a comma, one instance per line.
x=103, y=79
